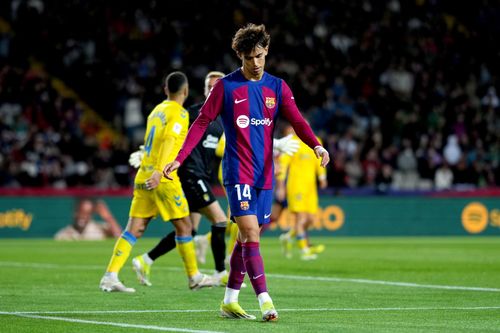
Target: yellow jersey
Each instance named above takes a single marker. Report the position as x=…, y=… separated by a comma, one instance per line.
x=166, y=131
x=300, y=170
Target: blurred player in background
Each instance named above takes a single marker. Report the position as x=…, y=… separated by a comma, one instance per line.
x=301, y=172
x=195, y=176
x=85, y=228
x=249, y=101
x=165, y=133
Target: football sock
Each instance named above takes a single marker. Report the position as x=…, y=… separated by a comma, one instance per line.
x=147, y=259
x=264, y=297
x=237, y=271
x=185, y=246
x=254, y=266
x=165, y=245
x=231, y=295
x=218, y=244
x=302, y=242
x=121, y=251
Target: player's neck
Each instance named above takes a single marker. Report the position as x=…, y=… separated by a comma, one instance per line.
x=251, y=77
x=176, y=98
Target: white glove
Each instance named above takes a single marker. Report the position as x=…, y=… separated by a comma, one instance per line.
x=286, y=145
x=135, y=158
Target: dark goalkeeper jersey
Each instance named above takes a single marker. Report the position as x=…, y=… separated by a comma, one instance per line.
x=201, y=162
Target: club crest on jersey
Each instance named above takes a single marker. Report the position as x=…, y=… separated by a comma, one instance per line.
x=270, y=102
x=244, y=205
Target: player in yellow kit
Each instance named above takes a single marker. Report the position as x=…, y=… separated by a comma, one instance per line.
x=165, y=133
x=301, y=171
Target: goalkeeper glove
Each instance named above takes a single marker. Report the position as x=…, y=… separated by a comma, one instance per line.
x=286, y=145
x=135, y=158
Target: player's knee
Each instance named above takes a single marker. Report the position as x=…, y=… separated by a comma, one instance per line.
x=250, y=234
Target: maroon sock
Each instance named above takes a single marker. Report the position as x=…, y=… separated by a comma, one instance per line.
x=255, y=266
x=237, y=269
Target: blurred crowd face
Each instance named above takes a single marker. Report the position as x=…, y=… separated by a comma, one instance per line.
x=209, y=83
x=253, y=63
x=83, y=214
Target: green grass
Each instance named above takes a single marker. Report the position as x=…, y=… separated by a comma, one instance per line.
x=45, y=276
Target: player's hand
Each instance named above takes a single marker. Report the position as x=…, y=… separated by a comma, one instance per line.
x=323, y=183
x=280, y=193
x=153, y=181
x=169, y=168
x=135, y=158
x=323, y=153
x=286, y=145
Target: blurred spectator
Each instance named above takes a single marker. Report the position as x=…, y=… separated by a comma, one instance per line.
x=402, y=69
x=84, y=227
x=452, y=151
x=443, y=180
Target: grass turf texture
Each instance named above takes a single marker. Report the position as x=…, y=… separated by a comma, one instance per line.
x=338, y=292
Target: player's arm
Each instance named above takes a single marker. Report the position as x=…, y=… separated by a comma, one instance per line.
x=321, y=173
x=300, y=125
x=283, y=163
x=209, y=111
x=163, y=158
x=221, y=145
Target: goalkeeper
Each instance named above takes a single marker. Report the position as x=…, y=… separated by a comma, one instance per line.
x=195, y=175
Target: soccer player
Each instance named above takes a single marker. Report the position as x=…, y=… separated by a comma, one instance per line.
x=301, y=171
x=249, y=101
x=195, y=175
x=165, y=132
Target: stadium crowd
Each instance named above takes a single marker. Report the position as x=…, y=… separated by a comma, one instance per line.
x=404, y=94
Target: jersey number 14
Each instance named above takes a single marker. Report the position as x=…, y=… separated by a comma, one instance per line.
x=246, y=191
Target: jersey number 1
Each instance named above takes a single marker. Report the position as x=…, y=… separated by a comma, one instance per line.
x=246, y=191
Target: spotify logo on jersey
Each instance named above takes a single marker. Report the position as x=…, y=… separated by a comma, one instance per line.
x=242, y=121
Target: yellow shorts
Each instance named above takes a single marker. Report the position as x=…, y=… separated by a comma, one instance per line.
x=168, y=199
x=302, y=201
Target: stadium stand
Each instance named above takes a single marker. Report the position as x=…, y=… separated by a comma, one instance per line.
x=403, y=93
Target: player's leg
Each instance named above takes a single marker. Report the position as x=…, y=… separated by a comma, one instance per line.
x=142, y=263
x=313, y=248
x=216, y=216
x=123, y=246
x=200, y=241
x=301, y=219
x=185, y=246
x=246, y=204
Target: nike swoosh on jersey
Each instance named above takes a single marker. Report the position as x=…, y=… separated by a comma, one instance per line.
x=267, y=215
x=243, y=273
x=258, y=276
x=238, y=101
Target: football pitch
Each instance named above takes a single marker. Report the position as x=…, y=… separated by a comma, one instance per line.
x=357, y=285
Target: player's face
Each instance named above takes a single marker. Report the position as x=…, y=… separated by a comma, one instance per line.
x=253, y=63
x=209, y=83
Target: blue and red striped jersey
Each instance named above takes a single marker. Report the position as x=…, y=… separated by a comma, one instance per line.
x=249, y=111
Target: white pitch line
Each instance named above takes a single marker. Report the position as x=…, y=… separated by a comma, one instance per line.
x=105, y=323
x=279, y=276
x=388, y=283
x=425, y=308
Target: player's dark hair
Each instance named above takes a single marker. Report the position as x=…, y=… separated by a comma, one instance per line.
x=175, y=81
x=250, y=36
